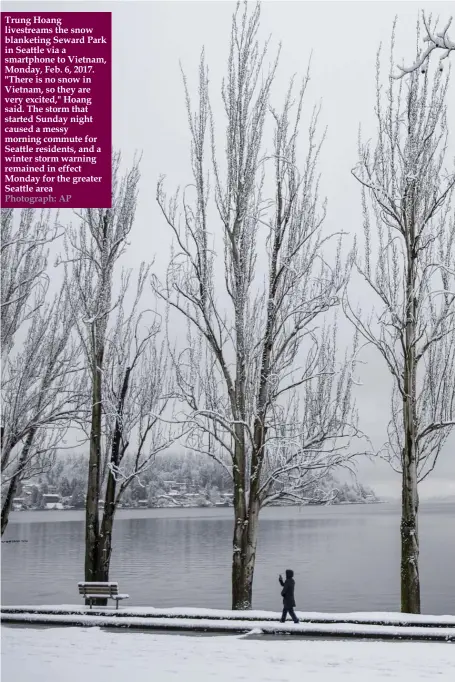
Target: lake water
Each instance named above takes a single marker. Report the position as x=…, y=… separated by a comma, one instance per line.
x=345, y=558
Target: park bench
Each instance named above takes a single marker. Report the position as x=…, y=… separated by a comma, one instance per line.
x=97, y=590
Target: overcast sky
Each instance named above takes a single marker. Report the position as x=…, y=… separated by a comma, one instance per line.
x=149, y=40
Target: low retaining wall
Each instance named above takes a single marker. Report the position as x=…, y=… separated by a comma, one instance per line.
x=358, y=618
x=234, y=624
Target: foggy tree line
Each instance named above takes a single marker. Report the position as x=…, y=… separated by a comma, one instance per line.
x=258, y=382
x=173, y=472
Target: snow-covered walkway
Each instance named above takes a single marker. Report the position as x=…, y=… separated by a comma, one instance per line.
x=93, y=655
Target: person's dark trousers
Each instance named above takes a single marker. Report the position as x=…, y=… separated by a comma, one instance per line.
x=291, y=613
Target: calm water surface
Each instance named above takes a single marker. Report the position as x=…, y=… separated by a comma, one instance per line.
x=345, y=558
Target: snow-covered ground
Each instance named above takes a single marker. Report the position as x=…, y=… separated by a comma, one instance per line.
x=75, y=654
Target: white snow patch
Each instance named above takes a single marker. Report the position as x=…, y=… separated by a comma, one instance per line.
x=75, y=654
x=255, y=631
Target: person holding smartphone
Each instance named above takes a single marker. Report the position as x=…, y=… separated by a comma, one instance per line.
x=287, y=593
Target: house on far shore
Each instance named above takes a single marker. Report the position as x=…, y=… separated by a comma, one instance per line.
x=18, y=503
x=52, y=502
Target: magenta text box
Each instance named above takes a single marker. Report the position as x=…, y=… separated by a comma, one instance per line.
x=56, y=109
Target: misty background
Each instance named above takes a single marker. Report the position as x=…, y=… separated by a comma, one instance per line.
x=151, y=39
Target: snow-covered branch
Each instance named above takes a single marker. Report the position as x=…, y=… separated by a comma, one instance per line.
x=435, y=42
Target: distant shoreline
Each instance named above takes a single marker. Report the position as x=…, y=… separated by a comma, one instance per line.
x=210, y=506
x=442, y=500
x=446, y=499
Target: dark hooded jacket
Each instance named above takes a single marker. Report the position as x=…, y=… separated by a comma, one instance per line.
x=288, y=590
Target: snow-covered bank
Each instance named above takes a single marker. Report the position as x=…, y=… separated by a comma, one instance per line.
x=75, y=654
x=344, y=630
x=359, y=617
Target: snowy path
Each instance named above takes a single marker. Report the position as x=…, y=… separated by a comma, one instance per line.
x=75, y=654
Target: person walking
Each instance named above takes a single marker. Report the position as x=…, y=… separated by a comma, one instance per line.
x=287, y=593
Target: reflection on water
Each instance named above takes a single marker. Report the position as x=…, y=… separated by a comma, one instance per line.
x=345, y=558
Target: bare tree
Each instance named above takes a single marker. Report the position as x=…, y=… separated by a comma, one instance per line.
x=38, y=359
x=41, y=396
x=125, y=368
x=409, y=254
x=436, y=42
x=246, y=346
x=24, y=261
x=135, y=394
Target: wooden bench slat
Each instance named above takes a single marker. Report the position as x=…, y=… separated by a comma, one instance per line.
x=98, y=583
x=98, y=587
x=95, y=595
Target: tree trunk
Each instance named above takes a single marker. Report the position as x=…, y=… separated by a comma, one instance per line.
x=6, y=451
x=93, y=483
x=246, y=522
x=243, y=559
x=240, y=600
x=245, y=540
x=104, y=541
x=103, y=547
x=410, y=581
x=107, y=525
x=110, y=502
x=7, y=502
